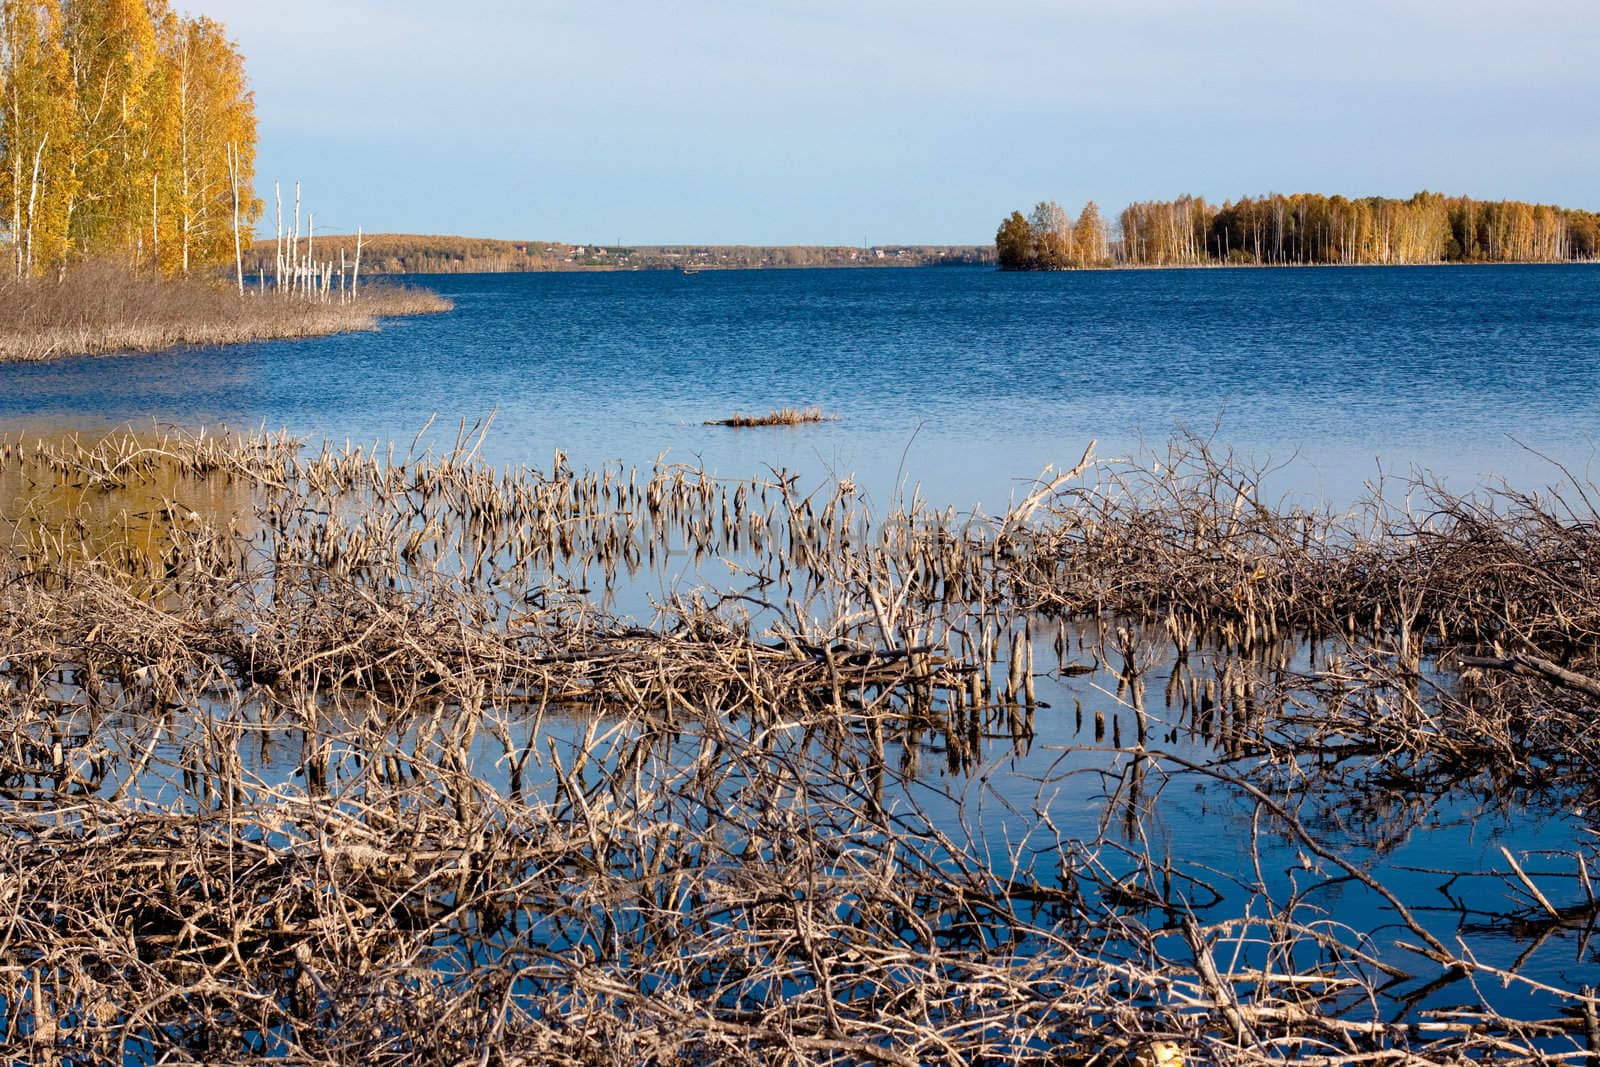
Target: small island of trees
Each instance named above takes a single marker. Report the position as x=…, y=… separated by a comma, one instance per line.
x=1302, y=229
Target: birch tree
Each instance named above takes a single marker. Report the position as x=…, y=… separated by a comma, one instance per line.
x=38, y=141
x=208, y=140
x=112, y=44
x=1052, y=236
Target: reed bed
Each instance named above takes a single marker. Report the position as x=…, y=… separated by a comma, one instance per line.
x=103, y=309
x=776, y=417
x=1500, y=591
x=368, y=771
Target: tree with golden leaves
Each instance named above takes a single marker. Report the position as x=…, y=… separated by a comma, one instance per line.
x=112, y=44
x=39, y=145
x=125, y=130
x=207, y=137
x=1089, y=237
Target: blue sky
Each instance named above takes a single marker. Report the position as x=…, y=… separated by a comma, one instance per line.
x=899, y=121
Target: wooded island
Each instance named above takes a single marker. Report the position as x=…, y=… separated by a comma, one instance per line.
x=1302, y=229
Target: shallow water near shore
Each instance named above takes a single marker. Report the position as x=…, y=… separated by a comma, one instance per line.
x=1097, y=772
x=966, y=382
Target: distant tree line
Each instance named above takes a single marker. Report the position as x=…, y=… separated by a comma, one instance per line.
x=432, y=254
x=1305, y=228
x=126, y=131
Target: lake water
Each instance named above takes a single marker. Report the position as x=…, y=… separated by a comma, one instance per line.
x=967, y=381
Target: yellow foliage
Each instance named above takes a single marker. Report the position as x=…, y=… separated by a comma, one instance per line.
x=39, y=146
x=116, y=132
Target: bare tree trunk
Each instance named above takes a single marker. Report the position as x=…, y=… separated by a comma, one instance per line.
x=355, y=277
x=155, y=221
x=16, y=213
x=33, y=198
x=277, y=193
x=183, y=127
x=294, y=244
x=238, y=247
x=16, y=179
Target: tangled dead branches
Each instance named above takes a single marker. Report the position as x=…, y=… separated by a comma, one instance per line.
x=341, y=758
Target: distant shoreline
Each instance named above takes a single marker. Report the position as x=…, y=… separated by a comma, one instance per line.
x=391, y=253
x=424, y=254
x=1121, y=268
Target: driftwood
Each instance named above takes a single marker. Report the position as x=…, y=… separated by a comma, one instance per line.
x=1537, y=667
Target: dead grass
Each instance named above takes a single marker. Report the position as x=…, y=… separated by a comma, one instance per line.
x=520, y=830
x=778, y=417
x=101, y=309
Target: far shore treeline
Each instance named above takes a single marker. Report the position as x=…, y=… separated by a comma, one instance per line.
x=127, y=132
x=400, y=253
x=1302, y=229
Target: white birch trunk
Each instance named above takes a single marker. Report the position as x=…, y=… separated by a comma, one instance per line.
x=277, y=193
x=183, y=127
x=238, y=246
x=33, y=199
x=294, y=243
x=16, y=214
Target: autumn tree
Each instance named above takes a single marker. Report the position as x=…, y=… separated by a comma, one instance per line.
x=1307, y=228
x=38, y=137
x=112, y=44
x=1091, y=245
x=1052, y=236
x=1583, y=234
x=125, y=130
x=207, y=114
x=1013, y=243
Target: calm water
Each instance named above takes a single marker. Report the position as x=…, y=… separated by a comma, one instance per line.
x=965, y=380
x=968, y=382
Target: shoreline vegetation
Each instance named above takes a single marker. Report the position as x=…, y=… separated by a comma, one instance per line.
x=102, y=308
x=127, y=193
x=1027, y=246
x=1305, y=229
x=344, y=745
x=127, y=171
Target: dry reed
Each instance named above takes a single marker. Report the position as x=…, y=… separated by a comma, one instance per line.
x=776, y=417
x=362, y=772
x=101, y=308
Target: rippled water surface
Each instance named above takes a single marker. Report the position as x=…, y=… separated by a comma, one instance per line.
x=963, y=380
